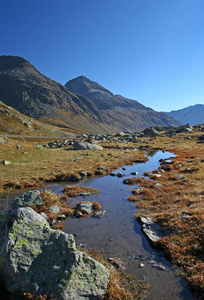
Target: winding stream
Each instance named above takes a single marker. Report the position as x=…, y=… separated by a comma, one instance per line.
x=119, y=234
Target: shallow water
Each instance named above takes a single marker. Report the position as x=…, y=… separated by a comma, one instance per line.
x=118, y=234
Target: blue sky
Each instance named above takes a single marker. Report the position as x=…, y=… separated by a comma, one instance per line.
x=151, y=51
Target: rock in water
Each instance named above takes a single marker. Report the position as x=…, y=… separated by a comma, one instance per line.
x=37, y=259
x=29, y=198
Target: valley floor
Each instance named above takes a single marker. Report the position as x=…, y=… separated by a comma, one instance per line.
x=177, y=203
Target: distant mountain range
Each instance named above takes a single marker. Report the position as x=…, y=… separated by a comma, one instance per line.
x=80, y=106
x=192, y=114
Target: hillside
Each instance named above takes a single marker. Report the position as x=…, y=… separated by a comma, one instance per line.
x=126, y=113
x=12, y=122
x=192, y=114
x=35, y=95
x=96, y=110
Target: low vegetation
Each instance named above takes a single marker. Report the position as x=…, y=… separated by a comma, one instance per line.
x=175, y=199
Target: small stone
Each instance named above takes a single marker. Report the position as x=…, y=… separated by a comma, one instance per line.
x=6, y=162
x=54, y=209
x=142, y=265
x=78, y=214
x=61, y=217
x=120, y=174
x=134, y=173
x=112, y=174
x=99, y=214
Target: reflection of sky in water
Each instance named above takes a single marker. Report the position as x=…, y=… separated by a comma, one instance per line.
x=119, y=234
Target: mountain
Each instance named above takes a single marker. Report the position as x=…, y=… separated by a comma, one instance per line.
x=192, y=114
x=96, y=110
x=125, y=113
x=24, y=88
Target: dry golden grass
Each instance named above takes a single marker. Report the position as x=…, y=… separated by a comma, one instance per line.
x=74, y=191
x=178, y=204
x=33, y=167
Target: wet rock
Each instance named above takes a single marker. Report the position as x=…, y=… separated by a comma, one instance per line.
x=29, y=198
x=99, y=214
x=134, y=173
x=78, y=214
x=85, y=194
x=86, y=207
x=120, y=174
x=152, y=230
x=42, y=261
x=158, y=266
x=112, y=174
x=137, y=191
x=126, y=181
x=167, y=162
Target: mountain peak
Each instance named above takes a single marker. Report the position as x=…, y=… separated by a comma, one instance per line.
x=9, y=62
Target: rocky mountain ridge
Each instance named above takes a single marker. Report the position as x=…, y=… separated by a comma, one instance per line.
x=131, y=114
x=24, y=88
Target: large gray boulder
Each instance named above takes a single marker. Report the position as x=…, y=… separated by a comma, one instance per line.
x=86, y=146
x=43, y=261
x=151, y=132
x=29, y=198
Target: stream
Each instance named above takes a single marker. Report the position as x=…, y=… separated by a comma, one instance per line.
x=119, y=235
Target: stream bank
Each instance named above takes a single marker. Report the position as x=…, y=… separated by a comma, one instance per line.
x=119, y=236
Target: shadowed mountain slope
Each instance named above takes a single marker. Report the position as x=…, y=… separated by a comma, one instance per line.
x=24, y=88
x=126, y=113
x=35, y=95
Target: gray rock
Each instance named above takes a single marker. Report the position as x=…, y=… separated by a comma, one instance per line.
x=2, y=140
x=83, y=173
x=86, y=146
x=29, y=198
x=120, y=174
x=99, y=214
x=78, y=214
x=152, y=230
x=85, y=194
x=44, y=216
x=86, y=207
x=61, y=217
x=151, y=132
x=54, y=209
x=134, y=173
x=126, y=181
x=36, y=259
